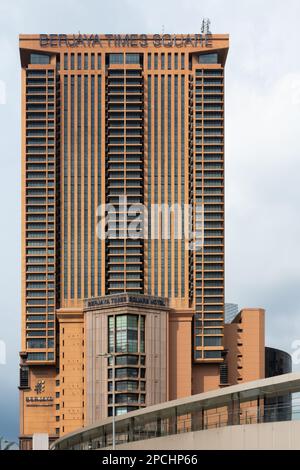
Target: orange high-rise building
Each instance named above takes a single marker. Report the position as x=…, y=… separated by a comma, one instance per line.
x=104, y=117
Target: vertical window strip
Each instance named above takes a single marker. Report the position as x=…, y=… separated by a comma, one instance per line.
x=176, y=61
x=79, y=186
x=72, y=186
x=162, y=127
x=182, y=61
x=99, y=176
x=182, y=184
x=65, y=61
x=85, y=186
x=86, y=61
x=149, y=62
x=169, y=182
x=79, y=64
x=155, y=169
x=149, y=178
x=176, y=180
x=65, y=187
x=93, y=214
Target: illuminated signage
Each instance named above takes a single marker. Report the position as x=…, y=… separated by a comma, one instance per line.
x=203, y=39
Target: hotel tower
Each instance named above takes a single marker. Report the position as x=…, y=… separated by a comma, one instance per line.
x=119, y=131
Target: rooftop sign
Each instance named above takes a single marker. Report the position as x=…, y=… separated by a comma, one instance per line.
x=126, y=40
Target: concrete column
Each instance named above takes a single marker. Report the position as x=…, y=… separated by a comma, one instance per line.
x=234, y=410
x=173, y=422
x=130, y=431
x=197, y=420
x=260, y=409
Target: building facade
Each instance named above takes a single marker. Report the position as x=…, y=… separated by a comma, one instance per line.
x=122, y=224
x=280, y=407
x=244, y=342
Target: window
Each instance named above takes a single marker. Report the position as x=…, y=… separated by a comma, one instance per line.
x=132, y=58
x=213, y=331
x=86, y=61
x=176, y=61
x=99, y=61
x=123, y=333
x=36, y=356
x=182, y=61
x=36, y=343
x=127, y=360
x=212, y=354
x=127, y=372
x=127, y=398
x=24, y=377
x=79, y=63
x=208, y=58
x=116, y=59
x=212, y=341
x=127, y=385
x=169, y=61
x=198, y=354
x=36, y=317
x=39, y=59
x=142, y=334
x=120, y=410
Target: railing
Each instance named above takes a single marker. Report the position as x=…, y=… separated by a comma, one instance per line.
x=262, y=401
x=196, y=421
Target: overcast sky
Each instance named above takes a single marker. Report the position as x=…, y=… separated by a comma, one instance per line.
x=262, y=149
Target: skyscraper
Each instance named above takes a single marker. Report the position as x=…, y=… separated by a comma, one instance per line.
x=122, y=224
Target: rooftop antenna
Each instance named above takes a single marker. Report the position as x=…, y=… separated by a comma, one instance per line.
x=205, y=26
x=163, y=29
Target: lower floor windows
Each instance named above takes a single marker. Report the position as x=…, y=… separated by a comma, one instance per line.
x=127, y=385
x=120, y=410
x=126, y=398
x=212, y=354
x=212, y=340
x=36, y=356
x=36, y=343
